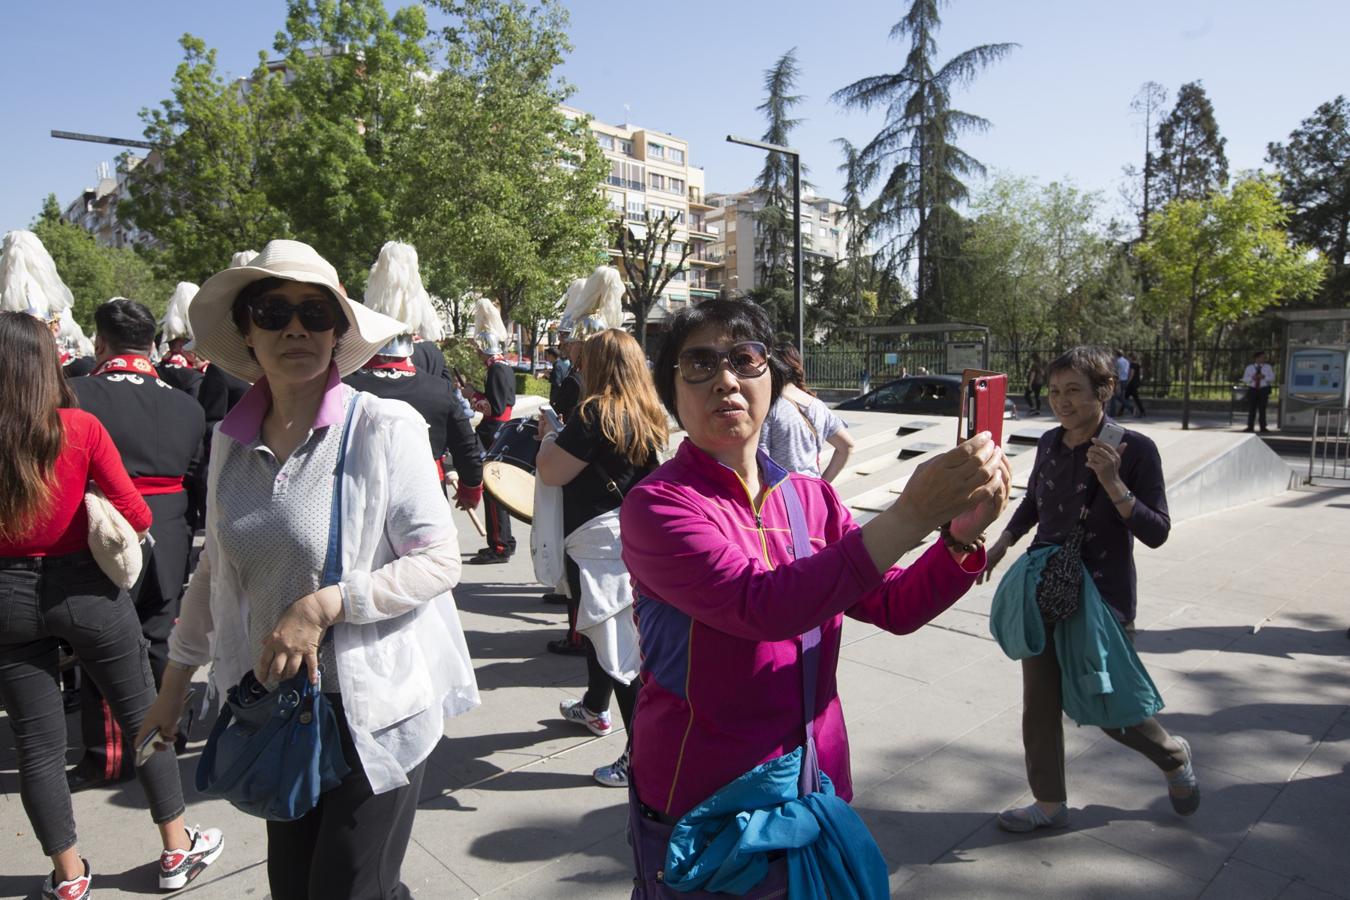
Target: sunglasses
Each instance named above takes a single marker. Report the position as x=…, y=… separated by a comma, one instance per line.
x=747, y=359
x=274, y=314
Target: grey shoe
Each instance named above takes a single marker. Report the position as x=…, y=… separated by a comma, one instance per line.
x=615, y=774
x=1022, y=819
x=1184, y=777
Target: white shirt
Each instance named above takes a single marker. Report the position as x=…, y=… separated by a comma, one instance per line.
x=1267, y=375
x=403, y=664
x=1123, y=370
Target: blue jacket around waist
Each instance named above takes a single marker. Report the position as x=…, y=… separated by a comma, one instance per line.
x=1102, y=681
x=723, y=844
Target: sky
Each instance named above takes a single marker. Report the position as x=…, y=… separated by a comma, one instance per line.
x=1059, y=106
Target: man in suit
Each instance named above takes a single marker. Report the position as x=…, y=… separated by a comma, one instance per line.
x=158, y=432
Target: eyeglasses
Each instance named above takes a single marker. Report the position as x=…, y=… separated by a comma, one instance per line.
x=747, y=359
x=274, y=314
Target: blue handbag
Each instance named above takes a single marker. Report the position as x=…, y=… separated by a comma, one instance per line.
x=272, y=753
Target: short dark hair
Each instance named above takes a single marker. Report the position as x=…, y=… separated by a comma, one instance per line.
x=1258, y=353
x=255, y=289
x=551, y=351
x=741, y=320
x=125, y=324
x=1093, y=363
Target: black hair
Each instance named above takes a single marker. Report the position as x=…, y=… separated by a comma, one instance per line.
x=125, y=325
x=551, y=351
x=740, y=320
x=1093, y=363
x=255, y=289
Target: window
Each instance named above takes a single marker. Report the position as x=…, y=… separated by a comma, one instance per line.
x=675, y=155
x=636, y=209
x=625, y=147
x=676, y=247
x=676, y=186
x=615, y=200
x=606, y=141
x=656, y=182
x=656, y=151
x=678, y=276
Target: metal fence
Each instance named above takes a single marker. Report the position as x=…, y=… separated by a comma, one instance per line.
x=1216, y=370
x=1329, y=451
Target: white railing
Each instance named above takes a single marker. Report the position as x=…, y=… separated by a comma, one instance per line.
x=1329, y=452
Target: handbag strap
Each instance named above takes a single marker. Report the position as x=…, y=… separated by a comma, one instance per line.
x=809, y=780
x=332, y=560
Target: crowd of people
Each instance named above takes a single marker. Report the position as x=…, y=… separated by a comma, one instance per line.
x=706, y=583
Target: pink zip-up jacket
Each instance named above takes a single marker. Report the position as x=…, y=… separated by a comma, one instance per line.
x=721, y=604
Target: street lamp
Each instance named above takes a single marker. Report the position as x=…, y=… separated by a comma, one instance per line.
x=796, y=230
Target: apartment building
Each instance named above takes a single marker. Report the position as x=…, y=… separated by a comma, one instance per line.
x=650, y=175
x=95, y=209
x=733, y=252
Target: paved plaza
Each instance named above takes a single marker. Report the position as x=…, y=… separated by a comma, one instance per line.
x=1243, y=618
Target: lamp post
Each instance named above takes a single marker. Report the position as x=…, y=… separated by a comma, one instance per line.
x=796, y=229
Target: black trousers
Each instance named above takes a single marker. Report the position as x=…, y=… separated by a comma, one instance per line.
x=155, y=597
x=42, y=602
x=601, y=687
x=498, y=524
x=351, y=845
x=1043, y=727
x=1257, y=399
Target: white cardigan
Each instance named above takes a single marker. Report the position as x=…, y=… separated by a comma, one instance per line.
x=402, y=661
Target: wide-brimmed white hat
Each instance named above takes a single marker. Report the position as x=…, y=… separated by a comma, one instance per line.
x=219, y=340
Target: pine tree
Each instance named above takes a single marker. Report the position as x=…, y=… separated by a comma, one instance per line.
x=1314, y=169
x=916, y=207
x=1191, y=160
x=773, y=187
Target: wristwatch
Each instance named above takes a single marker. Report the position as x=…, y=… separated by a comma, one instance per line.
x=1129, y=495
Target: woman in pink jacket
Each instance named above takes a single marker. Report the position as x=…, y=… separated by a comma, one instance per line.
x=720, y=600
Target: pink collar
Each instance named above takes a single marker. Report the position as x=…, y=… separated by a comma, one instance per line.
x=244, y=422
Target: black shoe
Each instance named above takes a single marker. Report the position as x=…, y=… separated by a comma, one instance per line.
x=1265, y=431
x=564, y=647
x=1248, y=430
x=85, y=776
x=555, y=598
x=487, y=556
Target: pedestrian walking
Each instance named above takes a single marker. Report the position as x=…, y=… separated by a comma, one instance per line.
x=611, y=442
x=1259, y=378
x=52, y=590
x=799, y=427
x=1035, y=382
x=1118, y=495
x=1132, y=386
x=384, y=644
x=158, y=433
x=742, y=573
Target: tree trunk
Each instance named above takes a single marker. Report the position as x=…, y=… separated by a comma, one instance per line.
x=640, y=324
x=1189, y=369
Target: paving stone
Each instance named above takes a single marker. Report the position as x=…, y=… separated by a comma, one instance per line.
x=1303, y=835
x=1238, y=880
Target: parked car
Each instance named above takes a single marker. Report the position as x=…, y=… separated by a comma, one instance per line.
x=932, y=395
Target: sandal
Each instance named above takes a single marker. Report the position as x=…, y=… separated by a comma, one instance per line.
x=1183, y=777
x=1022, y=819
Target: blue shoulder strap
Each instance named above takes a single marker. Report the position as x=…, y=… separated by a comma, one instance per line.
x=809, y=781
x=332, y=561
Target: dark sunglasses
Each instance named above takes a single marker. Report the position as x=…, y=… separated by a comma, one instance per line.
x=747, y=359
x=274, y=314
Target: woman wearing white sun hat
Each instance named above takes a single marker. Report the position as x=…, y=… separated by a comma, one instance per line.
x=397, y=663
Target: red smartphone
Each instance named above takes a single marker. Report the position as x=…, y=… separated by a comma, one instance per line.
x=985, y=394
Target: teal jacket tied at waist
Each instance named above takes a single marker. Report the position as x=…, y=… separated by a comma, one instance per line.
x=1101, y=678
x=723, y=844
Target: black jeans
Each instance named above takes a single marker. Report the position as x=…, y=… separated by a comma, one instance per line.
x=601, y=687
x=351, y=845
x=43, y=601
x=1257, y=399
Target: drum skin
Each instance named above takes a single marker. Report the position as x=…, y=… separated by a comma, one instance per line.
x=508, y=467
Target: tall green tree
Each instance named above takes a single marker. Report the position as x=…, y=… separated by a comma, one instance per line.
x=855, y=217
x=1223, y=258
x=1314, y=169
x=1148, y=105
x=773, y=220
x=508, y=192
x=1191, y=160
x=203, y=190
x=916, y=149
x=355, y=75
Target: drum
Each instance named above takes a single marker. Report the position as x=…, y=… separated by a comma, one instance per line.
x=508, y=467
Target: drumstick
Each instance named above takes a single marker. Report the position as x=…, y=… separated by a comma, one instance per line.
x=476, y=524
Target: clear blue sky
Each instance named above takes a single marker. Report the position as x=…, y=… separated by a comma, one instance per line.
x=1059, y=105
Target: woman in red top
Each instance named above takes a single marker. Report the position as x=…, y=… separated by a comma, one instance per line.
x=51, y=589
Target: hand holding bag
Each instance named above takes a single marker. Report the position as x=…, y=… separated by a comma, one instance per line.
x=1060, y=589
x=114, y=544
x=271, y=754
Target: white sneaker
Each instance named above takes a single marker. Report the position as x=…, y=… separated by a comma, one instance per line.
x=574, y=711
x=76, y=888
x=615, y=774
x=178, y=867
